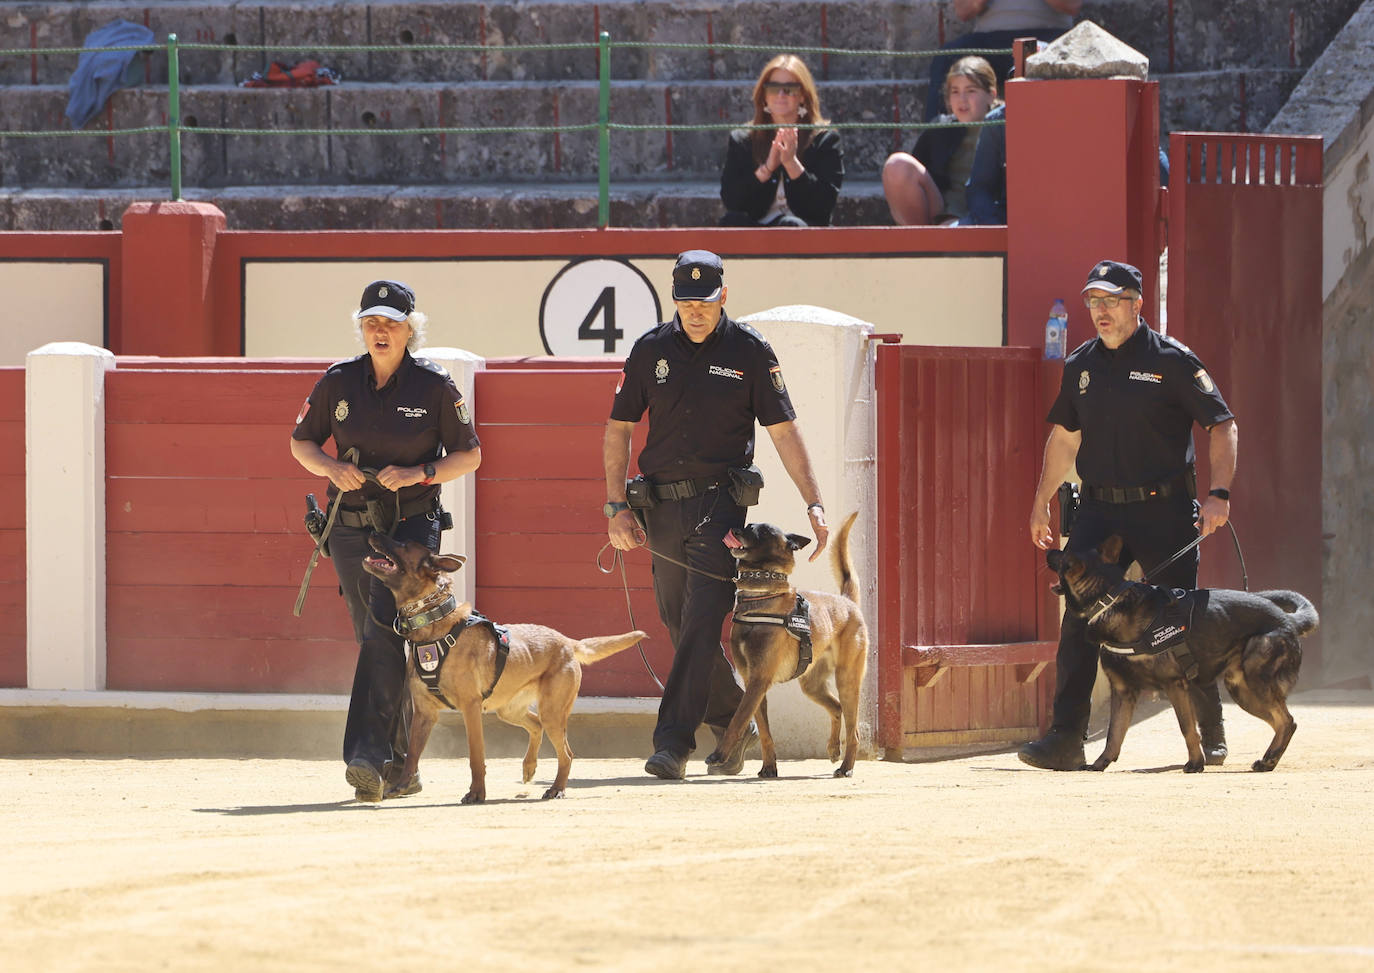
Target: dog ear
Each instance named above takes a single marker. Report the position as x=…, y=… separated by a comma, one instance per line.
x=796, y=542
x=447, y=562
x=1111, y=549
x=1054, y=558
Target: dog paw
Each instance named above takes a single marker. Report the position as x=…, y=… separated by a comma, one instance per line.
x=1262, y=766
x=834, y=750
x=844, y=771
x=474, y=797
x=715, y=758
x=527, y=773
x=553, y=793
x=1194, y=767
x=1097, y=766
x=769, y=772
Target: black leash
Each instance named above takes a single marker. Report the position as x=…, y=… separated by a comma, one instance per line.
x=1244, y=577
x=625, y=583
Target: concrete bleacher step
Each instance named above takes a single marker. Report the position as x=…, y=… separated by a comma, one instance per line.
x=456, y=206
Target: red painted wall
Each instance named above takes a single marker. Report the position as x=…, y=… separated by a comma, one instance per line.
x=13, y=625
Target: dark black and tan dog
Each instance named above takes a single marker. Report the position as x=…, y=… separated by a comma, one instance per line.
x=769, y=642
x=1249, y=639
x=542, y=666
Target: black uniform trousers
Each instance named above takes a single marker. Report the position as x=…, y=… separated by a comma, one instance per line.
x=1153, y=530
x=701, y=686
x=378, y=726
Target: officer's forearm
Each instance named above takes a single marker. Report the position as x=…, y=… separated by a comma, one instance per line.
x=787, y=439
x=313, y=458
x=454, y=465
x=1061, y=449
x=615, y=454
x=1222, y=444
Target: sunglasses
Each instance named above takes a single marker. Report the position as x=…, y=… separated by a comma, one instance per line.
x=1108, y=302
x=792, y=88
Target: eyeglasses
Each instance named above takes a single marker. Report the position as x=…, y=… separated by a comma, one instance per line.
x=791, y=88
x=1109, y=302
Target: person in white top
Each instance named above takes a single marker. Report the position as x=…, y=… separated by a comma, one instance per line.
x=996, y=23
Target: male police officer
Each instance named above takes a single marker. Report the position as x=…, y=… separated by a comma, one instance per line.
x=704, y=379
x=1125, y=413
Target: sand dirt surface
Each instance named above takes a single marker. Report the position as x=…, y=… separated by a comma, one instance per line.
x=973, y=863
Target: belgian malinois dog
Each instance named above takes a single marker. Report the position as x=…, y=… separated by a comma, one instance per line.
x=767, y=646
x=542, y=666
x=1250, y=639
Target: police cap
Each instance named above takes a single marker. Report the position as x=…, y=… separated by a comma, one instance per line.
x=389, y=298
x=1113, y=277
x=697, y=276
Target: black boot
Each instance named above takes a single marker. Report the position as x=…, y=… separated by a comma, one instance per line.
x=1214, y=744
x=1059, y=749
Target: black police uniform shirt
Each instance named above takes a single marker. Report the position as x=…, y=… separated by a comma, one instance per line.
x=702, y=399
x=1136, y=406
x=404, y=423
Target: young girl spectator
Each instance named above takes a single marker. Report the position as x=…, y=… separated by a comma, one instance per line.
x=782, y=175
x=927, y=185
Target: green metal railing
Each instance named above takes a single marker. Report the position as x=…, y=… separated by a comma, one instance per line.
x=603, y=125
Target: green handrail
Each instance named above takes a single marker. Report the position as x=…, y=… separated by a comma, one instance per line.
x=603, y=125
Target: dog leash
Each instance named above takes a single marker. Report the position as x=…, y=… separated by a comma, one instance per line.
x=1235, y=539
x=625, y=583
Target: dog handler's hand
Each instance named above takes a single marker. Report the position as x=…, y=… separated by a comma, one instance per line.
x=395, y=477
x=1042, y=536
x=624, y=531
x=819, y=528
x=346, y=476
x=1213, y=515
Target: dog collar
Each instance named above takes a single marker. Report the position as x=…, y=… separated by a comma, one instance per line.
x=755, y=574
x=406, y=622
x=1101, y=605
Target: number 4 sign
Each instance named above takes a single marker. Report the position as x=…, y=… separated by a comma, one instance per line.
x=597, y=307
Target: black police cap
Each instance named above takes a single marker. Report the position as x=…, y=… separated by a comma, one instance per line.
x=389, y=298
x=697, y=276
x=1113, y=277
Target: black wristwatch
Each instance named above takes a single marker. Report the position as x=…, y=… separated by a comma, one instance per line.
x=1221, y=493
x=613, y=507
x=429, y=474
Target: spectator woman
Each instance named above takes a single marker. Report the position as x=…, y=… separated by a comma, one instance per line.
x=782, y=175
x=927, y=185
x=412, y=431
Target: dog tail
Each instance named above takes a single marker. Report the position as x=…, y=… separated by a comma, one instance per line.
x=596, y=647
x=844, y=563
x=1303, y=614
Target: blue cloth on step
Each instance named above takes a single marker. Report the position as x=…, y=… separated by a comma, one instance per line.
x=99, y=73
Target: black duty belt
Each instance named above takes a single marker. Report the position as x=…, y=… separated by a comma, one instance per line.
x=363, y=517
x=687, y=489
x=1136, y=494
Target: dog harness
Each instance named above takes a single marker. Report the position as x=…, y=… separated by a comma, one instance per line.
x=797, y=623
x=429, y=656
x=1167, y=632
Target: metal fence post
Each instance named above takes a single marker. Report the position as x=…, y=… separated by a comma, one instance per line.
x=603, y=119
x=174, y=113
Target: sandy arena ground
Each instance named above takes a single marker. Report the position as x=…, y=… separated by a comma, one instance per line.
x=975, y=863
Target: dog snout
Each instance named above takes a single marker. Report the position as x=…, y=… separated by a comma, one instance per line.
x=731, y=541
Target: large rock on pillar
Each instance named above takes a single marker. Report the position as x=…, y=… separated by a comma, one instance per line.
x=1088, y=51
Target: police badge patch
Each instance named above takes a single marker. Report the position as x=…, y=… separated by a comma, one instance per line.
x=1204, y=381
x=464, y=416
x=775, y=373
x=341, y=411
x=661, y=370
x=1082, y=382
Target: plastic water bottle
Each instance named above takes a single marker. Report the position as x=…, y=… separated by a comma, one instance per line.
x=1057, y=331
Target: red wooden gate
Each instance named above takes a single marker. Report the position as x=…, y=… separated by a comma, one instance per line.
x=13, y=615
x=965, y=616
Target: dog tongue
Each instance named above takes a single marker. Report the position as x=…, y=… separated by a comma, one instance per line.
x=731, y=541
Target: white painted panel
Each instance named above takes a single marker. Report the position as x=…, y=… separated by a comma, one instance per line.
x=65, y=302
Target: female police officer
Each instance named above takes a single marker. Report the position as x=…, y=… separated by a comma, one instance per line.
x=408, y=421
x=705, y=379
x=1125, y=412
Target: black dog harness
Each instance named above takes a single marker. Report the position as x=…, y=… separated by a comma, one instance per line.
x=429, y=656
x=797, y=622
x=1167, y=631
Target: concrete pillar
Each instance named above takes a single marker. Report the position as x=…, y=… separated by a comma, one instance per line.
x=166, y=302
x=827, y=362
x=460, y=496
x=64, y=441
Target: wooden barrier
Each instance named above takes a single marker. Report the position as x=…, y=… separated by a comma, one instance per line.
x=13, y=615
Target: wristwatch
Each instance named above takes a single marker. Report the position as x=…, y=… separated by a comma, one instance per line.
x=613, y=507
x=429, y=474
x=1220, y=493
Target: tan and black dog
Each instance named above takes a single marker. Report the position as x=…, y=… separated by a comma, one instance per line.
x=1152, y=638
x=482, y=667
x=772, y=641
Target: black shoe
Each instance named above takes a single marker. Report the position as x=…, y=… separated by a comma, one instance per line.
x=667, y=765
x=1214, y=745
x=733, y=762
x=1058, y=749
x=366, y=780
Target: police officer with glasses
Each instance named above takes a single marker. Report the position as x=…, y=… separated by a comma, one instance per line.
x=1124, y=416
x=704, y=379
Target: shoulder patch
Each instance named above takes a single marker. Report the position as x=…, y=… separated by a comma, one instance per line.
x=432, y=366
x=1174, y=342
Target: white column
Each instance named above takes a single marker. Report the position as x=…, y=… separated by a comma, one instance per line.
x=64, y=445
x=460, y=496
x=827, y=363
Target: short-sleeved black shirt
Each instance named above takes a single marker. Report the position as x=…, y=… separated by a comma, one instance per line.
x=702, y=399
x=404, y=423
x=1136, y=407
